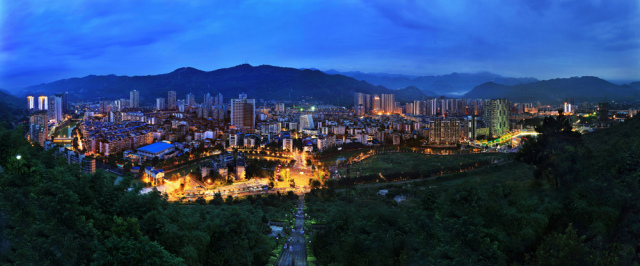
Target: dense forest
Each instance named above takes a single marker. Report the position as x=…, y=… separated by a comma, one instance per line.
x=568, y=200
x=52, y=213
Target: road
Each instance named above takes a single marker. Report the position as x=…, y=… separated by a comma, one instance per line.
x=297, y=253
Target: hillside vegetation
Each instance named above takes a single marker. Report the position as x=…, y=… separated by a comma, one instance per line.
x=577, y=203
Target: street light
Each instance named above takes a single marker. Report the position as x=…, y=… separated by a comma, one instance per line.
x=18, y=156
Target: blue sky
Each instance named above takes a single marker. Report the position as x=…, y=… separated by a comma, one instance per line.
x=43, y=41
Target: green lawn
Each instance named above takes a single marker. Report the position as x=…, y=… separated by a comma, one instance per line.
x=184, y=171
x=415, y=162
x=64, y=131
x=512, y=173
x=345, y=154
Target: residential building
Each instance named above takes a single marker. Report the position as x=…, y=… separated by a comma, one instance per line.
x=496, y=116
x=243, y=112
x=134, y=98
x=160, y=104
x=171, y=100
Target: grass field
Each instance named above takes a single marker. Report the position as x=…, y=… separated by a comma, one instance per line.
x=515, y=173
x=64, y=131
x=415, y=162
x=183, y=171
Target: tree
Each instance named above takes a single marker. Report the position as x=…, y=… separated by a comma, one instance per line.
x=555, y=152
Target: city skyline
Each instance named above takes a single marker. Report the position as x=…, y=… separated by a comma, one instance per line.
x=521, y=39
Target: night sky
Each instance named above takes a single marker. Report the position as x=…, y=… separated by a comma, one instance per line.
x=42, y=41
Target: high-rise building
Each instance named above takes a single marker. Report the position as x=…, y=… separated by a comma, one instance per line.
x=104, y=107
x=54, y=111
x=65, y=102
x=496, y=116
x=306, y=122
x=31, y=103
x=160, y=104
x=38, y=127
x=43, y=103
x=377, y=106
x=191, y=99
x=243, y=112
x=89, y=165
x=418, y=108
x=567, y=108
x=444, y=131
x=388, y=103
x=431, y=107
x=171, y=100
x=219, y=109
x=134, y=98
x=409, y=109
x=122, y=104
x=361, y=103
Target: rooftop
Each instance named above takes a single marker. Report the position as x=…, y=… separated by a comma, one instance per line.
x=156, y=147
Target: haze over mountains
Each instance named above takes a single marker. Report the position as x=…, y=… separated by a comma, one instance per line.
x=557, y=90
x=450, y=84
x=333, y=87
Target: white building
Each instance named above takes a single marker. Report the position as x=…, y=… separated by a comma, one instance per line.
x=287, y=144
x=306, y=122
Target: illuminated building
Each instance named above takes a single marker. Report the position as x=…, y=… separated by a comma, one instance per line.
x=43, y=103
x=30, y=102
x=496, y=116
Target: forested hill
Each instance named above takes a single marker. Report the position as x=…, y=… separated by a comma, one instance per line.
x=259, y=82
x=11, y=109
x=555, y=91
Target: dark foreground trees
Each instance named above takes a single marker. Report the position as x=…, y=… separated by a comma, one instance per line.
x=52, y=213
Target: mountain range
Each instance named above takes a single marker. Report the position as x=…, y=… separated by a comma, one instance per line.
x=283, y=84
x=585, y=88
x=259, y=82
x=454, y=84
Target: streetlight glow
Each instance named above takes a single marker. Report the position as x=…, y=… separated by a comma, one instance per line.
x=18, y=156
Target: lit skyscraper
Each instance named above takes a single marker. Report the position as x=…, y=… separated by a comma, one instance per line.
x=377, y=104
x=31, y=102
x=134, y=98
x=496, y=116
x=171, y=100
x=43, y=103
x=388, y=103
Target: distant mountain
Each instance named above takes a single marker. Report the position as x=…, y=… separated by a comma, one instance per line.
x=451, y=84
x=635, y=85
x=557, y=90
x=259, y=82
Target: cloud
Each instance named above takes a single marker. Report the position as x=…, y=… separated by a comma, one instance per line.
x=43, y=42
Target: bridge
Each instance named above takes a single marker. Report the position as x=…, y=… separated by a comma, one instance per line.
x=508, y=137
